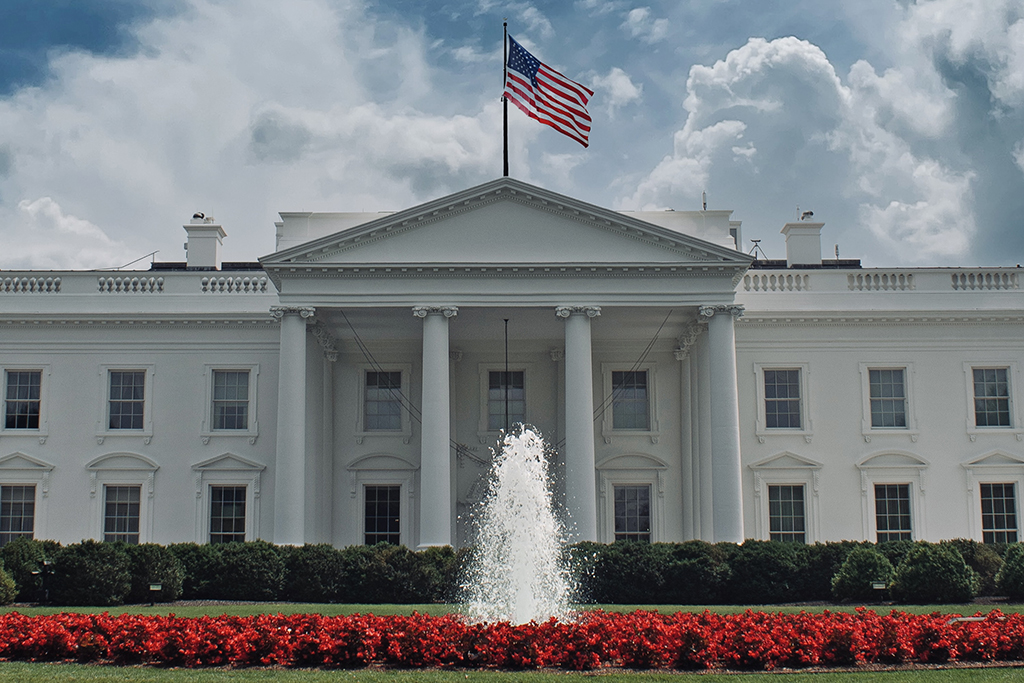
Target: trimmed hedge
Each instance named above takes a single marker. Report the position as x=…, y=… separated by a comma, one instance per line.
x=856, y=578
x=693, y=573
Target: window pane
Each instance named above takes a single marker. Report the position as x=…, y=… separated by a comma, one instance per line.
x=382, y=514
x=382, y=404
x=888, y=398
x=630, y=402
x=127, y=399
x=991, y=397
x=22, y=398
x=782, y=399
x=227, y=514
x=786, y=521
x=632, y=512
x=17, y=512
x=230, y=399
x=892, y=512
x=999, y=513
x=121, y=513
x=501, y=386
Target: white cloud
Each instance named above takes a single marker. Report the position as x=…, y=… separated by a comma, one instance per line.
x=526, y=12
x=640, y=24
x=51, y=238
x=616, y=88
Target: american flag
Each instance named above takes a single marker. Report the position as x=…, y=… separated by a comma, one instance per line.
x=546, y=95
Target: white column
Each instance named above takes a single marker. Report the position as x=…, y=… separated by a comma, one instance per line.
x=707, y=512
x=580, y=474
x=688, y=456
x=436, y=518
x=290, y=466
x=726, y=480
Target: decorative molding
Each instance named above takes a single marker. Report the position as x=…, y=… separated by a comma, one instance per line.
x=566, y=311
x=279, y=312
x=708, y=312
x=424, y=311
x=689, y=337
x=557, y=354
x=455, y=355
x=326, y=340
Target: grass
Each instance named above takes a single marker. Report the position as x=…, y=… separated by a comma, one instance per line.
x=60, y=673
x=243, y=609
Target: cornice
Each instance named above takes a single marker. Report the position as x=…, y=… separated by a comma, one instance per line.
x=121, y=321
x=753, y=319
x=476, y=271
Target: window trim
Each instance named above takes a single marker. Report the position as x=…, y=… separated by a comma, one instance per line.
x=608, y=431
x=893, y=467
x=630, y=469
x=103, y=430
x=868, y=430
x=379, y=469
x=1016, y=422
x=227, y=469
x=402, y=508
x=650, y=509
x=105, y=487
x=42, y=432
x=252, y=431
x=761, y=430
x=360, y=428
x=787, y=469
x=993, y=467
x=122, y=469
x=19, y=469
x=35, y=504
x=484, y=370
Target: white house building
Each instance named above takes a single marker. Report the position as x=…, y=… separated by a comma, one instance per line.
x=348, y=388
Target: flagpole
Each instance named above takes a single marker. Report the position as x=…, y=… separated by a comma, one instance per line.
x=504, y=100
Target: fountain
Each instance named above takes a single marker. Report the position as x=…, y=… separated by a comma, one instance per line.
x=519, y=573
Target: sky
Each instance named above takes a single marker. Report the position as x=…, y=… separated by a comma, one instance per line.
x=900, y=124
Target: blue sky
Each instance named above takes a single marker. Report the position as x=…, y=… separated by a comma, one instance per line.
x=899, y=123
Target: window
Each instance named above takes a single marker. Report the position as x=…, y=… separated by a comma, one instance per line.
x=786, y=515
x=382, y=515
x=227, y=514
x=17, y=512
x=998, y=513
x=892, y=512
x=230, y=399
x=991, y=397
x=382, y=405
x=127, y=399
x=22, y=399
x=121, y=513
x=630, y=401
x=782, y=407
x=633, y=513
x=505, y=391
x=888, y=398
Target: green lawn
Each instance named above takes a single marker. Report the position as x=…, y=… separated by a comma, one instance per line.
x=316, y=608
x=59, y=673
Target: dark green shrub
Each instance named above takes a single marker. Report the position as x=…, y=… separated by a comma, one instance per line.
x=91, y=573
x=693, y=573
x=253, y=570
x=8, y=589
x=863, y=567
x=151, y=563
x=313, y=573
x=894, y=551
x=764, y=572
x=386, y=573
x=933, y=573
x=627, y=572
x=23, y=560
x=983, y=559
x=1010, y=579
x=820, y=563
x=438, y=574
x=200, y=566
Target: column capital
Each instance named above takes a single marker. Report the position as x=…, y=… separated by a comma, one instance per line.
x=566, y=311
x=707, y=312
x=279, y=312
x=424, y=311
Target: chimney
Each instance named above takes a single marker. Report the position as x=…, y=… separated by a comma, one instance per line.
x=204, y=240
x=803, y=243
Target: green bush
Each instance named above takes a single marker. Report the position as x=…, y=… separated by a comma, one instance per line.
x=151, y=563
x=438, y=574
x=91, y=573
x=313, y=573
x=252, y=570
x=863, y=567
x=933, y=573
x=693, y=573
x=894, y=551
x=23, y=560
x=820, y=563
x=627, y=572
x=8, y=589
x=1010, y=579
x=983, y=559
x=386, y=573
x=764, y=572
x=200, y=566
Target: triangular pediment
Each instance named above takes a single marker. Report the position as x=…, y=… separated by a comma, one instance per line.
x=504, y=222
x=228, y=462
x=995, y=459
x=786, y=461
x=20, y=461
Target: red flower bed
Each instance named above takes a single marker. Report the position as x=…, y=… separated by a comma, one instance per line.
x=641, y=640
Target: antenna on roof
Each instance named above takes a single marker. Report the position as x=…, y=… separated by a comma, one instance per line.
x=756, y=249
x=704, y=200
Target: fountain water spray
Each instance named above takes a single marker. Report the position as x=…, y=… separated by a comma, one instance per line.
x=519, y=572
